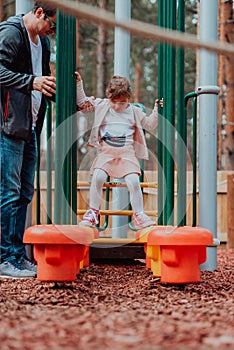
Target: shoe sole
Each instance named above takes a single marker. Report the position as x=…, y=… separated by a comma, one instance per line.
x=146, y=225
x=86, y=224
x=31, y=270
x=16, y=277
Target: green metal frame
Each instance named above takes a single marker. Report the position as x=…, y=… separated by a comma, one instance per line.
x=166, y=137
x=65, y=164
x=171, y=14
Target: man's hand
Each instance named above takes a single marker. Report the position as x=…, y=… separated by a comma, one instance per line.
x=45, y=84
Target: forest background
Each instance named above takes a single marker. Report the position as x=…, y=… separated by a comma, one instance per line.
x=95, y=61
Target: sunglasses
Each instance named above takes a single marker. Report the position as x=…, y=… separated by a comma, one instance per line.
x=52, y=23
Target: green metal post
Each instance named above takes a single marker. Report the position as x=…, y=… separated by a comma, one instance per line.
x=166, y=82
x=160, y=122
x=181, y=126
x=58, y=134
x=48, y=163
x=170, y=117
x=74, y=131
x=65, y=130
x=194, y=161
x=38, y=191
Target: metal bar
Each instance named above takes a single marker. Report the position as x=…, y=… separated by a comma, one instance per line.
x=48, y=163
x=58, y=130
x=74, y=131
x=107, y=203
x=141, y=29
x=38, y=190
x=182, y=150
x=161, y=80
x=114, y=184
x=194, y=162
x=208, y=130
x=118, y=212
x=65, y=111
x=170, y=117
x=181, y=126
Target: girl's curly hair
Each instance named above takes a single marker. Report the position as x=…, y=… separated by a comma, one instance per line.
x=118, y=87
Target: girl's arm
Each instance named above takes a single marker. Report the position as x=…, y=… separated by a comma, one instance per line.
x=150, y=122
x=83, y=102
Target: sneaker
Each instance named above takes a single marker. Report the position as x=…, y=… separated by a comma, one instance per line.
x=28, y=265
x=90, y=218
x=142, y=220
x=14, y=270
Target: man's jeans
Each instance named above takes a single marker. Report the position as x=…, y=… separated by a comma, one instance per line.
x=18, y=161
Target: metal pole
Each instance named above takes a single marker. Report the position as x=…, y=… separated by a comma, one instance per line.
x=65, y=113
x=121, y=67
x=23, y=6
x=48, y=163
x=169, y=133
x=161, y=66
x=208, y=130
x=181, y=125
x=122, y=39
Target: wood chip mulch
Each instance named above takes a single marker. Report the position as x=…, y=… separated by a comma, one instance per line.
x=120, y=306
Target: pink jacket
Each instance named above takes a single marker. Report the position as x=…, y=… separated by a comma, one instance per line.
x=142, y=122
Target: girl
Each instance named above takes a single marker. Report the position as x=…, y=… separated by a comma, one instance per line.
x=117, y=133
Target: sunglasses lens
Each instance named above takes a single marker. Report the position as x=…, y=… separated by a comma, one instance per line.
x=52, y=24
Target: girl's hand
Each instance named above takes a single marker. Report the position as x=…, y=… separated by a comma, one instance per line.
x=78, y=76
x=87, y=106
x=160, y=102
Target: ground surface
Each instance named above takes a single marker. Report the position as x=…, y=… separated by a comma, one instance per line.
x=120, y=307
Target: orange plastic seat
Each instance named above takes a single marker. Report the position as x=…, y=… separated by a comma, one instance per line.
x=182, y=250
x=142, y=236
x=60, y=250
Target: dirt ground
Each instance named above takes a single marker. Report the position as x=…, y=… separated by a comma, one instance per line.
x=119, y=307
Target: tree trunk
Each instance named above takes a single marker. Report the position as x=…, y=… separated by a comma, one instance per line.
x=1, y=10
x=137, y=82
x=226, y=82
x=102, y=54
x=77, y=42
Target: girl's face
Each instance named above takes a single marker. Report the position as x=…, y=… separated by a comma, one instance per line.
x=119, y=104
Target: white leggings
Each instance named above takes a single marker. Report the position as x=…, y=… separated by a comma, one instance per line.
x=132, y=182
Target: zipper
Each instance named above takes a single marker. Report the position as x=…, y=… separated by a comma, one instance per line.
x=6, y=106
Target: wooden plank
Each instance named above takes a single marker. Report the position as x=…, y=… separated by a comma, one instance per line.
x=230, y=211
x=150, y=200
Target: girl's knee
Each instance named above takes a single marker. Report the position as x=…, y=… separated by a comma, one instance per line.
x=132, y=181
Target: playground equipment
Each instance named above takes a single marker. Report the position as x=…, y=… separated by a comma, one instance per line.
x=60, y=250
x=65, y=160
x=177, y=252
x=121, y=67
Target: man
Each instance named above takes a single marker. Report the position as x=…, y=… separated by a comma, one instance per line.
x=25, y=83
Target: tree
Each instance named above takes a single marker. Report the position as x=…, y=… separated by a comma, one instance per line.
x=7, y=8
x=226, y=83
x=102, y=54
x=95, y=62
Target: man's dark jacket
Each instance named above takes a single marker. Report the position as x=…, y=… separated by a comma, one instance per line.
x=16, y=79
